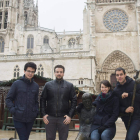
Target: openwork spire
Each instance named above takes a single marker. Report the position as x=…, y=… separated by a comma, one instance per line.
x=29, y=3
x=36, y=3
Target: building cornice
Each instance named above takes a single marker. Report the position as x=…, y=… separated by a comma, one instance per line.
x=115, y=3
x=47, y=56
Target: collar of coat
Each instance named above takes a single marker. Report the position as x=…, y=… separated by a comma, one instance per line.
x=128, y=80
x=27, y=80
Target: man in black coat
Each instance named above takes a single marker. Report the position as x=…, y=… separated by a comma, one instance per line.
x=22, y=101
x=57, y=112
x=124, y=90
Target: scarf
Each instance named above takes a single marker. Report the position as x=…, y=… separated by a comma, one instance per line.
x=104, y=96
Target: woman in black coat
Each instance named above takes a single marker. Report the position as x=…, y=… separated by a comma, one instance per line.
x=107, y=111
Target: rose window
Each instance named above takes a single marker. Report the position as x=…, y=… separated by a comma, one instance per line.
x=115, y=20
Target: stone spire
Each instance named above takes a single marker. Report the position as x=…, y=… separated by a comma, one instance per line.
x=37, y=3
x=30, y=13
x=29, y=3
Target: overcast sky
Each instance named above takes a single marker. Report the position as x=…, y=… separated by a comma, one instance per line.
x=61, y=14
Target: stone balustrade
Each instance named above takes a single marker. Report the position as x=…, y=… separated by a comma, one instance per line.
x=70, y=32
x=38, y=28
x=85, y=84
x=81, y=82
x=73, y=47
x=114, y=1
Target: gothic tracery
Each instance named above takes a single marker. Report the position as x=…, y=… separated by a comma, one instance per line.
x=117, y=59
x=40, y=70
x=16, y=71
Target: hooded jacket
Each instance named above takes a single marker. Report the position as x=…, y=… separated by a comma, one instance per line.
x=128, y=87
x=22, y=100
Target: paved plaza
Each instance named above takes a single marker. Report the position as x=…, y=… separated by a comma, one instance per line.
x=120, y=135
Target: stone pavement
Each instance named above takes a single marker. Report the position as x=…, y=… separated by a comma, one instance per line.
x=120, y=134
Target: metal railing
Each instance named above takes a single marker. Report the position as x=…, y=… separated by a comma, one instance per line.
x=15, y=133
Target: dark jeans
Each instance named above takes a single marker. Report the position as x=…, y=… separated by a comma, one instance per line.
x=56, y=123
x=107, y=134
x=132, y=133
x=23, y=129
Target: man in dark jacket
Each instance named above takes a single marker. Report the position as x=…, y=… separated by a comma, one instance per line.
x=22, y=101
x=57, y=113
x=124, y=90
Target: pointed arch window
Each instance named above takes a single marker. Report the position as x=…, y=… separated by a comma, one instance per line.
x=25, y=17
x=0, y=19
x=5, y=19
x=40, y=70
x=16, y=71
x=1, y=3
x=1, y=45
x=71, y=42
x=30, y=42
x=34, y=20
x=6, y=3
x=46, y=40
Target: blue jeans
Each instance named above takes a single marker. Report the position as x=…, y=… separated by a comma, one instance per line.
x=107, y=134
x=132, y=133
x=23, y=129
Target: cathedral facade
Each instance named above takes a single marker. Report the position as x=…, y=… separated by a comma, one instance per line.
x=110, y=38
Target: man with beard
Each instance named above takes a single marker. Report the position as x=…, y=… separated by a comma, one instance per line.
x=124, y=90
x=54, y=105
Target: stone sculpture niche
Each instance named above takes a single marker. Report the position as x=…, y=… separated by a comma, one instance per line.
x=86, y=112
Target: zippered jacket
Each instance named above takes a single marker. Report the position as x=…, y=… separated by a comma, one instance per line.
x=128, y=87
x=22, y=100
x=56, y=97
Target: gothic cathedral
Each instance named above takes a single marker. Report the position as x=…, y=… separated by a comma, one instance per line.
x=110, y=38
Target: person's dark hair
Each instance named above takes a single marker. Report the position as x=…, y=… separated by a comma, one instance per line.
x=59, y=66
x=119, y=69
x=106, y=83
x=30, y=64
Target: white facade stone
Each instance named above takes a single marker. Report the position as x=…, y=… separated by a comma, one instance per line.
x=94, y=55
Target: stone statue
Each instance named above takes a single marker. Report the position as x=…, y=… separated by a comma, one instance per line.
x=86, y=114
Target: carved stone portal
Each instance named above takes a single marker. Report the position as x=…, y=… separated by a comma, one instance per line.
x=114, y=60
x=117, y=59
